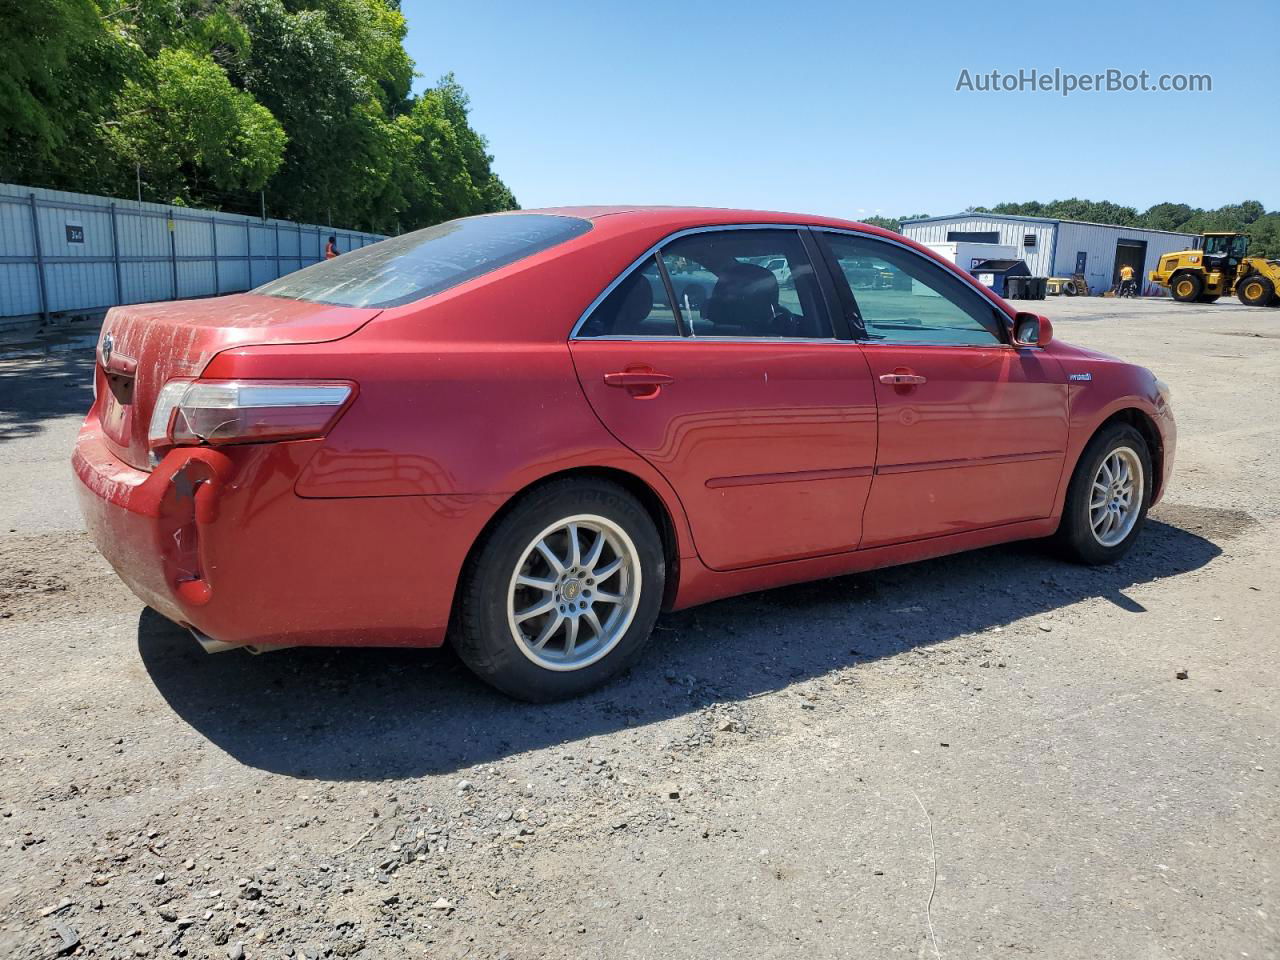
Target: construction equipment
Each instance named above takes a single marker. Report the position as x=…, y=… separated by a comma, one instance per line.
x=1222, y=265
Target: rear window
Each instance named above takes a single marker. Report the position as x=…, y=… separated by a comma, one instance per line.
x=418, y=264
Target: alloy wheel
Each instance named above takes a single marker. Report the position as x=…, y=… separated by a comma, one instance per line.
x=1115, y=499
x=574, y=592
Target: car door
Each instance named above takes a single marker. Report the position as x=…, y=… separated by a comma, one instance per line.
x=759, y=417
x=972, y=431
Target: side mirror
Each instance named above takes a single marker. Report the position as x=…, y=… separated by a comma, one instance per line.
x=1030, y=330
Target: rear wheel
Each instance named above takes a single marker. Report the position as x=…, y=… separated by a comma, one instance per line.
x=1255, y=290
x=563, y=593
x=1108, y=497
x=1186, y=287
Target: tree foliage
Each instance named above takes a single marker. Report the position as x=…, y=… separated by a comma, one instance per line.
x=308, y=101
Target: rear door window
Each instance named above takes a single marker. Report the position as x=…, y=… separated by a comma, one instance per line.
x=416, y=265
x=746, y=284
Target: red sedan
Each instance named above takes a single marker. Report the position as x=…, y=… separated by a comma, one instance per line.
x=531, y=432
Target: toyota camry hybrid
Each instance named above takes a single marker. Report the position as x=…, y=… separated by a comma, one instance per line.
x=529, y=433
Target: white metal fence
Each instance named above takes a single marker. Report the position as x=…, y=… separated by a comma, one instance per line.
x=72, y=253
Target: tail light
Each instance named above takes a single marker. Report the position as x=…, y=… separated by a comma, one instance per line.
x=194, y=412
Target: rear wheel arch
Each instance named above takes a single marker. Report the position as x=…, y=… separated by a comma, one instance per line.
x=647, y=496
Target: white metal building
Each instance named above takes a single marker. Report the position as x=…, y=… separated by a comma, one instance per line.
x=1058, y=248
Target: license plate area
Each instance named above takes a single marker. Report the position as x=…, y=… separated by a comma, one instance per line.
x=118, y=407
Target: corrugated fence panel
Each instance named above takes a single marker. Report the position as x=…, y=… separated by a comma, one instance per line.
x=19, y=290
x=15, y=230
x=93, y=252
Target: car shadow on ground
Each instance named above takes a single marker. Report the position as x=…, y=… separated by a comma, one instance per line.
x=376, y=714
x=34, y=390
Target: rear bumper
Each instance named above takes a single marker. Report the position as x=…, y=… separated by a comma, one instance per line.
x=221, y=543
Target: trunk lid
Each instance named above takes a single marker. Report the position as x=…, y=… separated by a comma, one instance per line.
x=145, y=345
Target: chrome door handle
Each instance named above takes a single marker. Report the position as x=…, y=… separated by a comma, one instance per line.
x=900, y=379
x=638, y=378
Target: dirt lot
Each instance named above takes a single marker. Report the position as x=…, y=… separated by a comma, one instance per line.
x=992, y=750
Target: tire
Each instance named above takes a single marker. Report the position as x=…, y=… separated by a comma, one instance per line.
x=1069, y=288
x=1076, y=533
x=1186, y=287
x=487, y=622
x=1255, y=290
x=1208, y=298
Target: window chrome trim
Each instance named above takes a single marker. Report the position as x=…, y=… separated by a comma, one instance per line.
x=686, y=232
x=960, y=275
x=625, y=338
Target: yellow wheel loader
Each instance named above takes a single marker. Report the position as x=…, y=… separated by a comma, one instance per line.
x=1222, y=265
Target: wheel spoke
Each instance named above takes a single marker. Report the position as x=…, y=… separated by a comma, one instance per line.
x=594, y=622
x=546, y=606
x=593, y=555
x=575, y=549
x=548, y=630
x=557, y=565
x=608, y=570
x=602, y=596
x=570, y=635
x=536, y=583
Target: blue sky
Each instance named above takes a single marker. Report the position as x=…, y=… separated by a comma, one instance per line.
x=851, y=109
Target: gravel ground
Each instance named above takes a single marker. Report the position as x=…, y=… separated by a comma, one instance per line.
x=986, y=755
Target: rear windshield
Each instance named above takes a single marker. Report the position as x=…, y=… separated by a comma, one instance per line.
x=418, y=264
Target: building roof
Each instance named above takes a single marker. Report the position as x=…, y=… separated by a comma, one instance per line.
x=1011, y=216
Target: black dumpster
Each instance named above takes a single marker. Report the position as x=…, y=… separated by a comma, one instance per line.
x=996, y=273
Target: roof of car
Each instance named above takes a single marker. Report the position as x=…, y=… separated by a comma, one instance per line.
x=679, y=217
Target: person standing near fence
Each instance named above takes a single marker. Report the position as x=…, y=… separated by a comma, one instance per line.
x=331, y=248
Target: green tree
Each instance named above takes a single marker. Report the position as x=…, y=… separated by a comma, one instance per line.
x=188, y=126
x=450, y=166
x=308, y=100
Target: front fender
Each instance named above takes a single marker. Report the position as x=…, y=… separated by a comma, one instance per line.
x=1115, y=389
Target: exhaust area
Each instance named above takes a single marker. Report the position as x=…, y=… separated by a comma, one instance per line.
x=211, y=645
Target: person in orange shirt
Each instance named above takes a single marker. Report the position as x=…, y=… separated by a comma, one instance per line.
x=331, y=249
x=1126, y=281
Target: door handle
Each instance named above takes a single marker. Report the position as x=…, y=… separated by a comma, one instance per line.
x=902, y=379
x=640, y=383
x=638, y=378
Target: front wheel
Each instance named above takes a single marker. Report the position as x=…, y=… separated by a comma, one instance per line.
x=1186, y=287
x=563, y=592
x=1108, y=497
